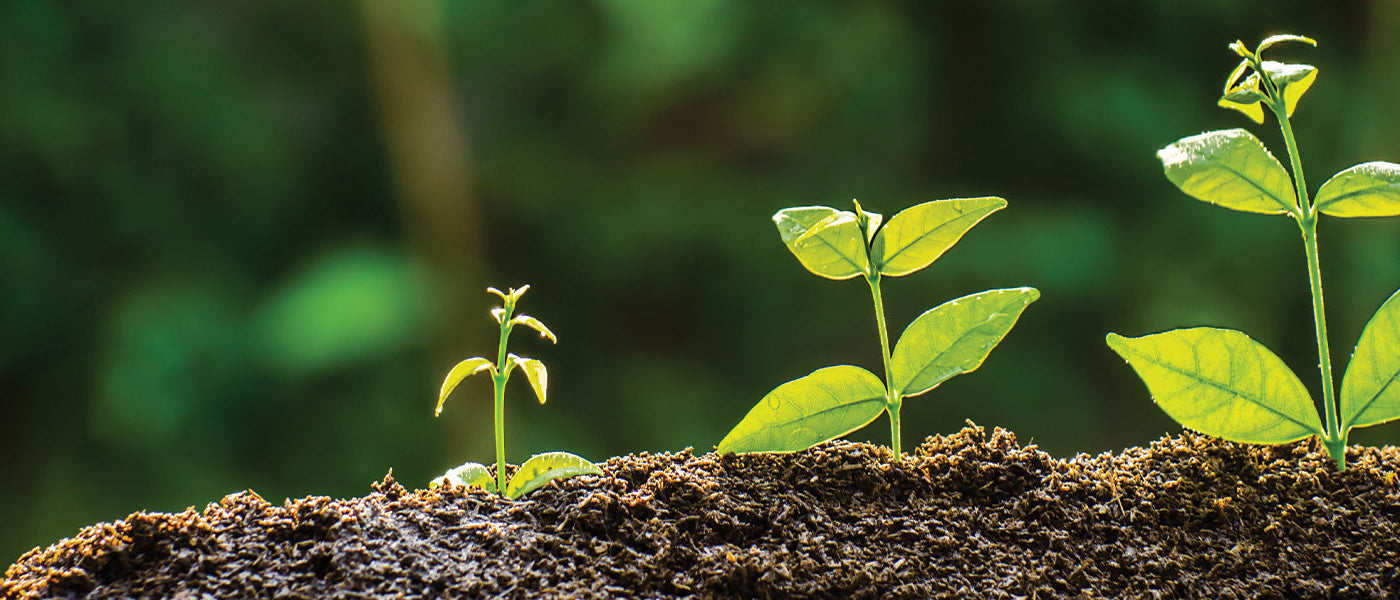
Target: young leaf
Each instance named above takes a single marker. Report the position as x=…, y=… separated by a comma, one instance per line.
x=463, y=370
x=544, y=468
x=1293, y=79
x=1283, y=37
x=1366, y=190
x=918, y=235
x=1244, y=97
x=796, y=415
x=536, y=325
x=535, y=372
x=469, y=474
x=1222, y=383
x=833, y=247
x=1371, y=386
x=1230, y=168
x=954, y=338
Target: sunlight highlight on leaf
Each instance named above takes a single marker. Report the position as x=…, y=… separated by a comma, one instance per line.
x=824, y=405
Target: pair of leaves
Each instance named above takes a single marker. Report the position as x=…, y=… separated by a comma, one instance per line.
x=1223, y=383
x=532, y=475
x=835, y=245
x=1233, y=169
x=946, y=341
x=534, y=371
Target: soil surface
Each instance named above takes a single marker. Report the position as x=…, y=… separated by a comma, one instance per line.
x=965, y=516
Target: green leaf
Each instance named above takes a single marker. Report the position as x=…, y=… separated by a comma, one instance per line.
x=536, y=325
x=535, y=372
x=826, y=241
x=544, y=468
x=796, y=415
x=470, y=475
x=463, y=370
x=954, y=338
x=1230, y=168
x=1283, y=37
x=1366, y=190
x=1221, y=383
x=1293, y=79
x=1371, y=387
x=918, y=235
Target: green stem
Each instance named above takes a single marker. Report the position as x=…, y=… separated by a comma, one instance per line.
x=499, y=376
x=892, y=399
x=1307, y=222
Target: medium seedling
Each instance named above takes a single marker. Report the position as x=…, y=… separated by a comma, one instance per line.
x=540, y=468
x=946, y=341
x=1219, y=381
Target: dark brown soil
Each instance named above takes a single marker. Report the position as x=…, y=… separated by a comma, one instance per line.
x=965, y=517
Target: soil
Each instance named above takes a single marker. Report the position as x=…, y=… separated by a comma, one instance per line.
x=964, y=516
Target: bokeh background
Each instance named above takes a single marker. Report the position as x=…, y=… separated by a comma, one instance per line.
x=241, y=243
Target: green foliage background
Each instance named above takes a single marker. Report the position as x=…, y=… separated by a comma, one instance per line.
x=237, y=252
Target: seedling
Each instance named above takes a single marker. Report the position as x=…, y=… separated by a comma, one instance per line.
x=1221, y=382
x=540, y=468
x=944, y=342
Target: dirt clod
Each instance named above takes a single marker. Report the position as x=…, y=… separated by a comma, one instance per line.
x=966, y=515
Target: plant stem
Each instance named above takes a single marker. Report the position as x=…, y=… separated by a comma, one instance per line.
x=499, y=376
x=1334, y=440
x=892, y=399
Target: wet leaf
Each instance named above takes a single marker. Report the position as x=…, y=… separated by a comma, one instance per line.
x=918, y=235
x=954, y=338
x=1221, y=383
x=461, y=371
x=826, y=241
x=1230, y=168
x=1371, y=386
x=1293, y=79
x=536, y=325
x=469, y=474
x=824, y=405
x=544, y=468
x=1366, y=190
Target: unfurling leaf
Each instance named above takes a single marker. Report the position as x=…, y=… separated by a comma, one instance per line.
x=544, y=468
x=832, y=246
x=470, y=475
x=1366, y=190
x=461, y=371
x=918, y=235
x=796, y=415
x=1221, y=383
x=1283, y=37
x=535, y=372
x=1371, y=386
x=1293, y=79
x=954, y=338
x=536, y=325
x=1230, y=168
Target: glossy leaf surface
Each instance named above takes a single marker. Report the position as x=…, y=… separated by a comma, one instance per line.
x=955, y=338
x=1371, y=386
x=544, y=468
x=824, y=405
x=1230, y=168
x=918, y=235
x=1366, y=190
x=535, y=372
x=826, y=241
x=1221, y=383
x=469, y=474
x=1293, y=79
x=461, y=371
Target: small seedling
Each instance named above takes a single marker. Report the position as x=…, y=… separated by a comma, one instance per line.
x=1220, y=382
x=540, y=468
x=944, y=342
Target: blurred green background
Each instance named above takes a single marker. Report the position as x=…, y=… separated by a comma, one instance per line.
x=241, y=243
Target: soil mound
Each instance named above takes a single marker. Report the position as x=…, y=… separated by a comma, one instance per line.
x=964, y=516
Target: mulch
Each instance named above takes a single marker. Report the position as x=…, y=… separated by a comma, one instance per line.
x=965, y=516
